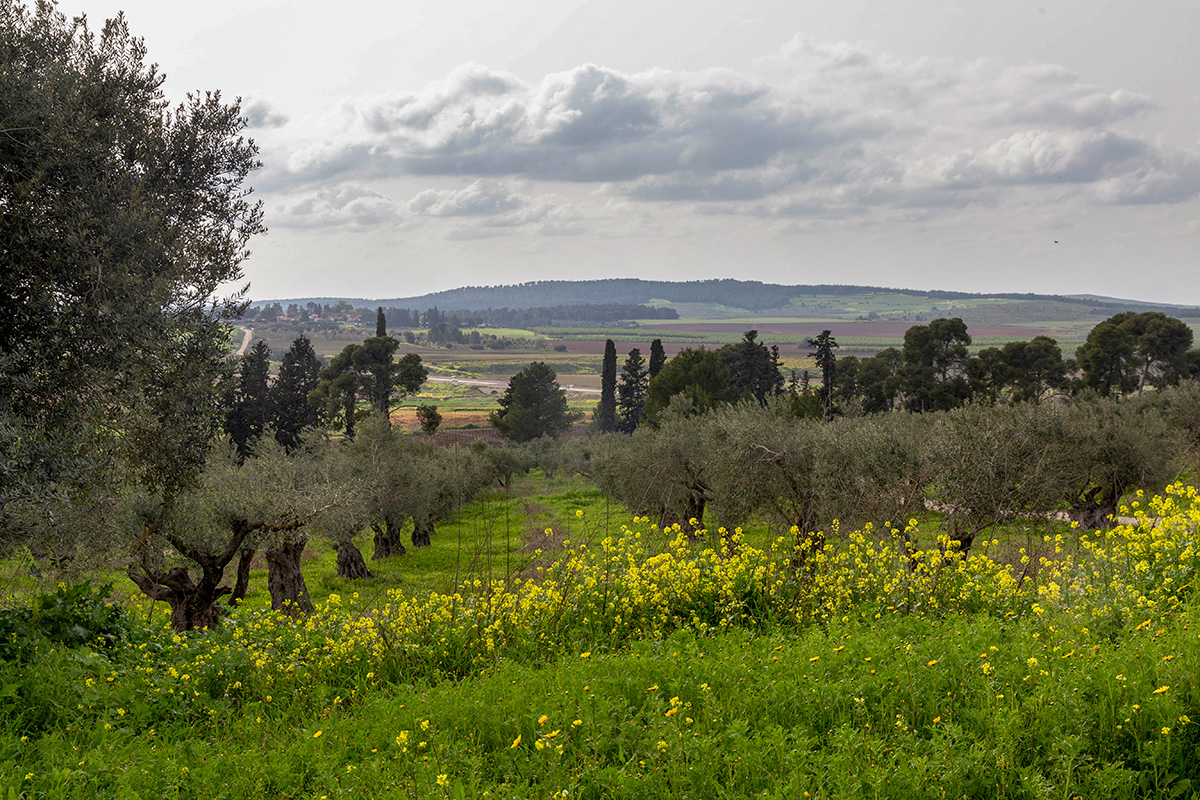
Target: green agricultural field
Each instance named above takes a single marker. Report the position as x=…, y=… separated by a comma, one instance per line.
x=747, y=321
x=510, y=333
x=451, y=363
x=888, y=303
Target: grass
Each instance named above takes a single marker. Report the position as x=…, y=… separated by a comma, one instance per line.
x=900, y=708
x=1080, y=682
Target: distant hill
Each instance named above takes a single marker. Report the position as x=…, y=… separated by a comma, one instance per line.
x=733, y=297
x=1097, y=298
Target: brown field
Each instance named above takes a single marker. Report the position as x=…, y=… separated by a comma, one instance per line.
x=451, y=418
x=884, y=329
x=596, y=347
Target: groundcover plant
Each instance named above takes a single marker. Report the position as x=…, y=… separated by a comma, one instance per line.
x=648, y=662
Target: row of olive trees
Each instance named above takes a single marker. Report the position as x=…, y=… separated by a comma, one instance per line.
x=179, y=545
x=981, y=464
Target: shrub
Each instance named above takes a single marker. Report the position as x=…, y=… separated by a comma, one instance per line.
x=72, y=616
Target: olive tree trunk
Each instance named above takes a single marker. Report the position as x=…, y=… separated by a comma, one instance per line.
x=350, y=562
x=285, y=581
x=194, y=604
x=243, y=576
x=422, y=532
x=387, y=539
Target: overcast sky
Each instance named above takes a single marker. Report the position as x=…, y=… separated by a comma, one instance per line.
x=1039, y=146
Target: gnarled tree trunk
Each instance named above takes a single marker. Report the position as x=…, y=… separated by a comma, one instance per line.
x=350, y=562
x=1093, y=508
x=243, y=576
x=285, y=581
x=422, y=532
x=387, y=539
x=193, y=605
x=692, y=509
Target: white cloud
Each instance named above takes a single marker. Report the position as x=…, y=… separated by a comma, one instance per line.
x=1029, y=157
x=824, y=129
x=486, y=206
x=338, y=205
x=482, y=198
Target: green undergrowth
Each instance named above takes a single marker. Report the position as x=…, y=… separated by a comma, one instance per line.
x=637, y=663
x=966, y=706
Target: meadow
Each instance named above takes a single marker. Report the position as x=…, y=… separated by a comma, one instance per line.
x=548, y=644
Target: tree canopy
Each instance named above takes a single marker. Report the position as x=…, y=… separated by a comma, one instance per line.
x=935, y=361
x=122, y=220
x=753, y=368
x=533, y=406
x=700, y=375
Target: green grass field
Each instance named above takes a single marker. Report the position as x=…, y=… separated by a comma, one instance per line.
x=649, y=668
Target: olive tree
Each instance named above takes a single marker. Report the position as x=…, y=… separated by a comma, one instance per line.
x=183, y=542
x=1115, y=447
x=123, y=218
x=873, y=469
x=997, y=463
x=660, y=472
x=400, y=478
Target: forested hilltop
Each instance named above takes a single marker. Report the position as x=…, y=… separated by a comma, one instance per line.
x=729, y=297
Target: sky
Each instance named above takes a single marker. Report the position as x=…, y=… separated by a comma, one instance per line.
x=1037, y=146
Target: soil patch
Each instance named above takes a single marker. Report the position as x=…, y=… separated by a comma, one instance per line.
x=406, y=418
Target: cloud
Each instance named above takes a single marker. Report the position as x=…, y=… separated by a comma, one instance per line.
x=345, y=205
x=1170, y=176
x=816, y=129
x=589, y=124
x=1029, y=157
x=486, y=205
x=1047, y=94
x=481, y=198
x=260, y=114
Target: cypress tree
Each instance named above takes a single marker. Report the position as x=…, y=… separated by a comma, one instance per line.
x=823, y=347
x=249, y=404
x=606, y=411
x=658, y=357
x=299, y=374
x=380, y=323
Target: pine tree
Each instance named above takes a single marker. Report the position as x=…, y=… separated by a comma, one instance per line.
x=375, y=362
x=631, y=392
x=291, y=411
x=337, y=389
x=605, y=416
x=533, y=406
x=823, y=347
